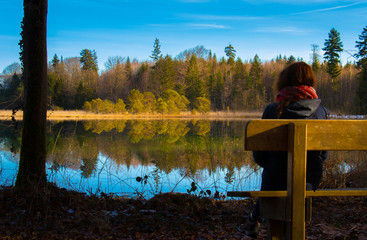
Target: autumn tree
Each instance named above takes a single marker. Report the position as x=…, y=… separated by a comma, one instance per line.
x=333, y=48
x=156, y=53
x=175, y=102
x=200, y=51
x=136, y=101
x=12, y=68
x=32, y=164
x=112, y=62
x=113, y=83
x=202, y=105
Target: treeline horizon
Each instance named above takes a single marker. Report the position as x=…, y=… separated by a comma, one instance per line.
x=195, y=74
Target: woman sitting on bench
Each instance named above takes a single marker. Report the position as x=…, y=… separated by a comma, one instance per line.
x=296, y=99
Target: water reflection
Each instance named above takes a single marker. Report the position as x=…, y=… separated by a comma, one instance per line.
x=165, y=155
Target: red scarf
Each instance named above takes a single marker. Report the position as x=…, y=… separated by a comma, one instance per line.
x=296, y=93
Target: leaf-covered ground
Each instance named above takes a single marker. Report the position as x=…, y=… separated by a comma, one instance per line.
x=60, y=214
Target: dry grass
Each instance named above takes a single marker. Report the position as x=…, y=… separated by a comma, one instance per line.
x=83, y=115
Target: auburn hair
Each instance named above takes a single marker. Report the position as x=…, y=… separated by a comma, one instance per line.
x=296, y=74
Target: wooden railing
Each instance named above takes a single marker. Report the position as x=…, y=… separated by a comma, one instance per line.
x=297, y=137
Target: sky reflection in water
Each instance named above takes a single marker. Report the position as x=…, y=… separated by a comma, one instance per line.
x=208, y=153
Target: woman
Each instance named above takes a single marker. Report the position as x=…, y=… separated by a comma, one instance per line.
x=296, y=99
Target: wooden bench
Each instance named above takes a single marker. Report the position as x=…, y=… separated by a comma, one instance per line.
x=297, y=137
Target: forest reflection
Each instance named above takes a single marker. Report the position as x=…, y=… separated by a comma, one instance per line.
x=187, y=148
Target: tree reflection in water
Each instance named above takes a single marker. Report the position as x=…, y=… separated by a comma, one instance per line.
x=109, y=155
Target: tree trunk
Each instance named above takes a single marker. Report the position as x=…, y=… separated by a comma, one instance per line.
x=32, y=170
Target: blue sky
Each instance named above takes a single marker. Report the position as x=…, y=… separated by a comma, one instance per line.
x=128, y=27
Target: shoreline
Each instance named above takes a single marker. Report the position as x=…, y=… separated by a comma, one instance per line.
x=83, y=115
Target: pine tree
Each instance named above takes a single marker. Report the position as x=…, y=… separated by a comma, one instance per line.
x=88, y=60
x=194, y=84
x=255, y=73
x=163, y=76
x=128, y=69
x=333, y=48
x=291, y=60
x=156, y=53
x=362, y=47
x=238, y=84
x=55, y=60
x=230, y=53
x=361, y=94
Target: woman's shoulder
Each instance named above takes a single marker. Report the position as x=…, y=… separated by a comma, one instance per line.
x=322, y=112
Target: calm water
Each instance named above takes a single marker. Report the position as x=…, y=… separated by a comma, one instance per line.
x=139, y=157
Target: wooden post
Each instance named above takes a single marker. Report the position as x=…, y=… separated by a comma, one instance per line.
x=296, y=181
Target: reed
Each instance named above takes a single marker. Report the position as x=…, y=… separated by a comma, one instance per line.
x=83, y=115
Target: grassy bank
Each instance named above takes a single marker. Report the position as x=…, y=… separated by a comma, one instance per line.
x=83, y=115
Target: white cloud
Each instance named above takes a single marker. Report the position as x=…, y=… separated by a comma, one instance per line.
x=219, y=17
x=281, y=30
x=327, y=9
x=207, y=26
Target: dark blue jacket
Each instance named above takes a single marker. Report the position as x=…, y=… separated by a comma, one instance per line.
x=274, y=175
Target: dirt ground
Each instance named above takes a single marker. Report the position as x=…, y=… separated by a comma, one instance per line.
x=60, y=214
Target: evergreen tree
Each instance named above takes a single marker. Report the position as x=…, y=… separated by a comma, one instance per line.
x=128, y=69
x=362, y=49
x=88, y=60
x=333, y=48
x=291, y=60
x=255, y=73
x=156, y=53
x=163, y=76
x=83, y=93
x=238, y=84
x=361, y=94
x=55, y=61
x=230, y=53
x=194, y=84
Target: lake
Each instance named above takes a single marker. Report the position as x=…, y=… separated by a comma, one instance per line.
x=140, y=158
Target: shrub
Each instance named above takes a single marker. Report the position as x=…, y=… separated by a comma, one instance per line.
x=202, y=104
x=120, y=106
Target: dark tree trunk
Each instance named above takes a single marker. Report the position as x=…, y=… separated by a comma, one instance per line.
x=33, y=151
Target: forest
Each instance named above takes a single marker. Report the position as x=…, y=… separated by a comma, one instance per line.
x=193, y=80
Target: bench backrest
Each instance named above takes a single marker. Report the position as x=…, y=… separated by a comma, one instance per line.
x=297, y=137
x=272, y=135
